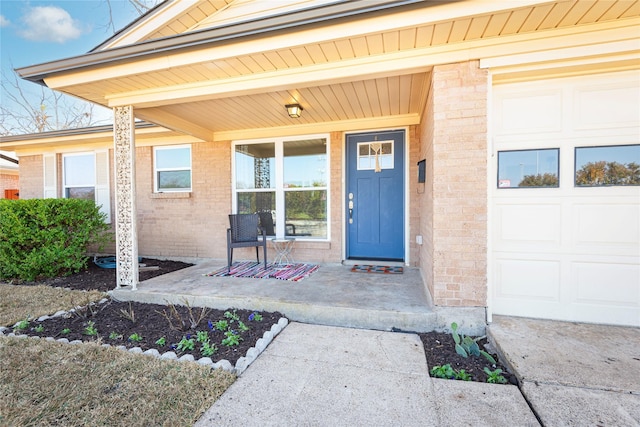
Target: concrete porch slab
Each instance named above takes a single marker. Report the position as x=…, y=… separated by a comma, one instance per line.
x=333, y=296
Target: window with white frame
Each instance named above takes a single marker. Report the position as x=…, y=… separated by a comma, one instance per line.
x=172, y=168
x=288, y=179
x=79, y=176
x=84, y=176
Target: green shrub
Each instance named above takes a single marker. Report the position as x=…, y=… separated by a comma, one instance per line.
x=48, y=237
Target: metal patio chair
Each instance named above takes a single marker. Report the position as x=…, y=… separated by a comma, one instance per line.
x=243, y=233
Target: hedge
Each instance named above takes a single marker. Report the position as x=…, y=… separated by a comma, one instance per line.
x=42, y=238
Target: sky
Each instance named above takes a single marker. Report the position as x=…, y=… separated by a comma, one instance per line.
x=33, y=32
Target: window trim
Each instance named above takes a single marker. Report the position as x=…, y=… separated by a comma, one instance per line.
x=156, y=170
x=55, y=162
x=279, y=188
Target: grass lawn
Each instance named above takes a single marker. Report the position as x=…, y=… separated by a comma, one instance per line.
x=20, y=302
x=51, y=383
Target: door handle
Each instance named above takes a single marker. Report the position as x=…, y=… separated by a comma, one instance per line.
x=350, y=209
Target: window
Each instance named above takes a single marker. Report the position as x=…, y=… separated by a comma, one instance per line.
x=84, y=176
x=375, y=155
x=287, y=178
x=172, y=168
x=79, y=176
x=528, y=168
x=607, y=166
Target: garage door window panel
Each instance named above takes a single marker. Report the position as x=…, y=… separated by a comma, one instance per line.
x=528, y=168
x=607, y=166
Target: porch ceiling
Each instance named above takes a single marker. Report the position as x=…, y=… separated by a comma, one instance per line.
x=358, y=72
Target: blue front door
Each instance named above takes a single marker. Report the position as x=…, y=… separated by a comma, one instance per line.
x=375, y=195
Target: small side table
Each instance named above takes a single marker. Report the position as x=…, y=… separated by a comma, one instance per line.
x=283, y=249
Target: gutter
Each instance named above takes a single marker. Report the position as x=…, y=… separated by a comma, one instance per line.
x=9, y=159
x=320, y=14
x=70, y=132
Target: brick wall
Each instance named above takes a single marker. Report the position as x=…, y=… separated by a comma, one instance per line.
x=8, y=182
x=186, y=224
x=195, y=224
x=454, y=141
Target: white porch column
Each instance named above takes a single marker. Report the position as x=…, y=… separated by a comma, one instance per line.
x=126, y=226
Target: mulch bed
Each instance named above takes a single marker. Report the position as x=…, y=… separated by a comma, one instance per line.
x=152, y=325
x=113, y=324
x=104, y=279
x=440, y=349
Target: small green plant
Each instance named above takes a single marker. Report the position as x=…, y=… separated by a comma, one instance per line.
x=208, y=349
x=231, y=338
x=22, y=325
x=161, y=341
x=115, y=336
x=232, y=316
x=39, y=328
x=447, y=372
x=255, y=316
x=90, y=329
x=186, y=344
x=463, y=375
x=135, y=337
x=221, y=325
x=65, y=331
x=242, y=326
x=444, y=371
x=495, y=377
x=466, y=345
x=202, y=336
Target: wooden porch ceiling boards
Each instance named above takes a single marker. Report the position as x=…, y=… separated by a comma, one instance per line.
x=383, y=97
x=234, y=98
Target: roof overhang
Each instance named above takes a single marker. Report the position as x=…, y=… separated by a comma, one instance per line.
x=352, y=65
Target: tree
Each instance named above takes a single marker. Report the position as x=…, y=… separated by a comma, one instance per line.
x=545, y=180
x=29, y=108
x=36, y=109
x=608, y=173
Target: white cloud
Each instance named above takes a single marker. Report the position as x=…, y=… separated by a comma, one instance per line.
x=50, y=23
x=4, y=21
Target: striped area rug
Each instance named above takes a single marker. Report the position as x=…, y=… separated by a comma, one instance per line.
x=252, y=269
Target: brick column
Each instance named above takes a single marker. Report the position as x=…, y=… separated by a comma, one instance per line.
x=459, y=188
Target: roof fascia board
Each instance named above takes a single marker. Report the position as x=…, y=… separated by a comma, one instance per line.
x=67, y=133
x=157, y=52
x=150, y=22
x=553, y=44
x=76, y=136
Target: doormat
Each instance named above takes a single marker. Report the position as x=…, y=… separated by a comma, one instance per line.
x=256, y=270
x=383, y=269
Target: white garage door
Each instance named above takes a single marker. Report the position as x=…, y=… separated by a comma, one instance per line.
x=564, y=210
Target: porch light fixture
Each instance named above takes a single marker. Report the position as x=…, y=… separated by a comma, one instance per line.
x=294, y=110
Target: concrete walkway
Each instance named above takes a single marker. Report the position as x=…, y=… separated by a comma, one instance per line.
x=315, y=375
x=573, y=374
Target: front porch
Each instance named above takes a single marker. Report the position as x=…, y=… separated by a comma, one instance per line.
x=333, y=296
